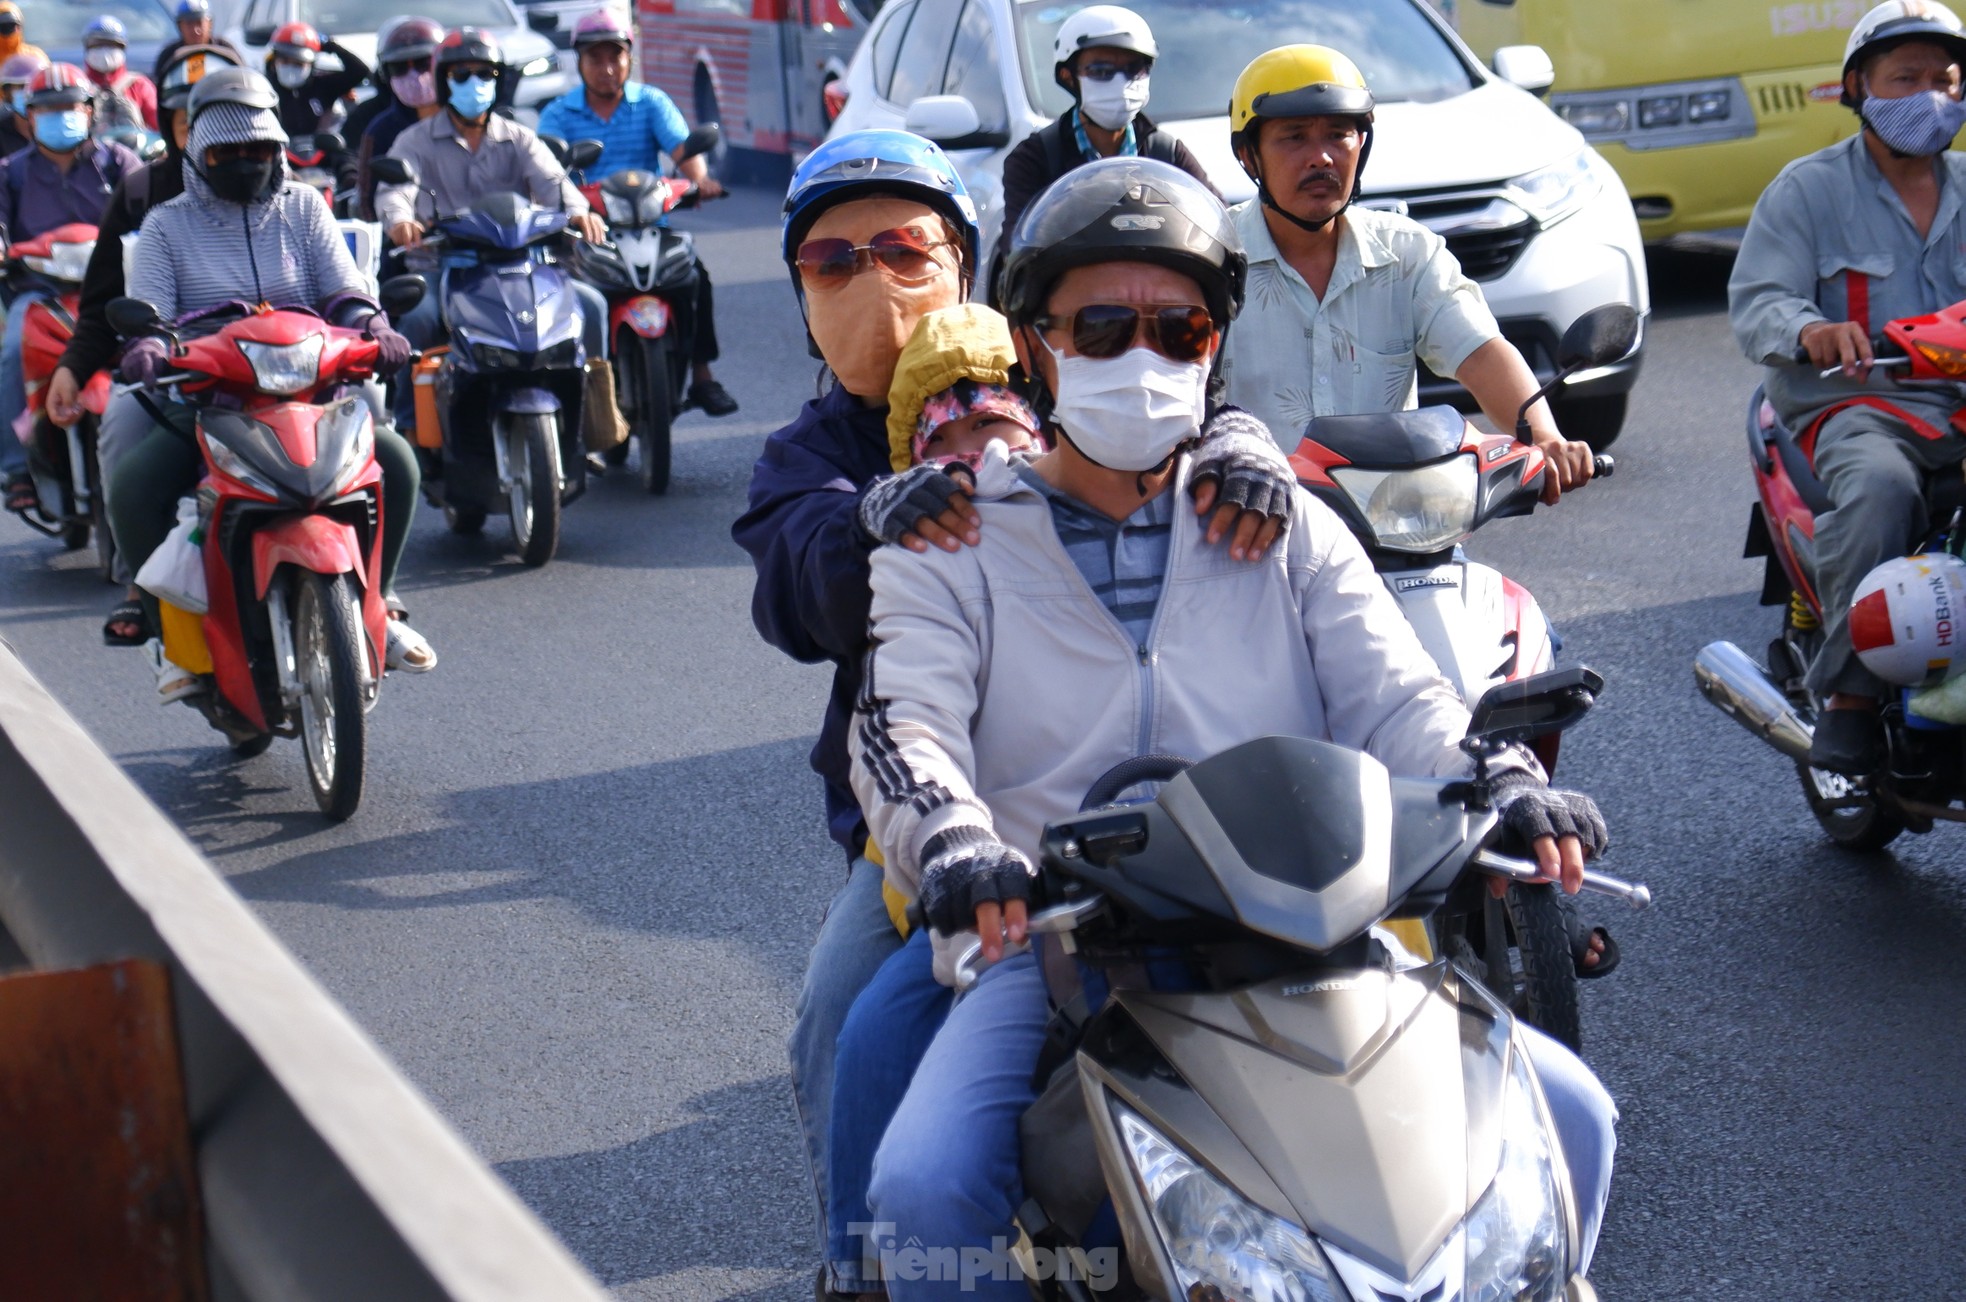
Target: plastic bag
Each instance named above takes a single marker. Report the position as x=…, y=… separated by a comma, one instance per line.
x=175, y=572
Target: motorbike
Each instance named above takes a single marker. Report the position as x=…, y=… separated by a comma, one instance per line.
x=311, y=162
x=1924, y=776
x=290, y=515
x=646, y=270
x=509, y=387
x=62, y=461
x=1413, y=486
x=1274, y=1106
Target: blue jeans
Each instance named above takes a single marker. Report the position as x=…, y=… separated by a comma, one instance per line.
x=888, y=1031
x=423, y=326
x=855, y=939
x=946, y=1174
x=13, y=384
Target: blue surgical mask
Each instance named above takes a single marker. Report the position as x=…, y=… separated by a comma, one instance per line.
x=62, y=131
x=472, y=97
x=20, y=101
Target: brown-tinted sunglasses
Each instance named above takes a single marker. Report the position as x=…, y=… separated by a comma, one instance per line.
x=905, y=252
x=1101, y=330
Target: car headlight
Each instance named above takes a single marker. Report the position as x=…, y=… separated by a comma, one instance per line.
x=1420, y=510
x=1549, y=194
x=1664, y=116
x=1598, y=119
x=1516, y=1240
x=543, y=64
x=343, y=439
x=285, y=368
x=234, y=464
x=1221, y=1245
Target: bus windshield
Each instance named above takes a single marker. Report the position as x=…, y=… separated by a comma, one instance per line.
x=1205, y=43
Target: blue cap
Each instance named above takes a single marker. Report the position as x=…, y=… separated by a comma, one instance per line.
x=863, y=163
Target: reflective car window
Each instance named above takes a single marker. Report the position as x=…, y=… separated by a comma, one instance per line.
x=924, y=57
x=887, y=44
x=974, y=70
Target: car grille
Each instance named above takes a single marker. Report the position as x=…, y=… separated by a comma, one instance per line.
x=1485, y=232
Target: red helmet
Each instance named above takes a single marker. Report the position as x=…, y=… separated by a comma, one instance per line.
x=59, y=85
x=296, y=41
x=605, y=26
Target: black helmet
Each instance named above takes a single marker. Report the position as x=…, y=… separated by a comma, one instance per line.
x=408, y=39
x=1124, y=209
x=188, y=66
x=469, y=45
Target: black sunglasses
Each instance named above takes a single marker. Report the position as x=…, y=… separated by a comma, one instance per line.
x=465, y=72
x=8, y=26
x=404, y=67
x=1102, y=330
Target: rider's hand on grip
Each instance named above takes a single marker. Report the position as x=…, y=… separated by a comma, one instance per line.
x=1843, y=345
x=392, y=350
x=971, y=879
x=1562, y=828
x=144, y=360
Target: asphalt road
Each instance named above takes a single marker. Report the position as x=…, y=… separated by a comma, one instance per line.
x=576, y=903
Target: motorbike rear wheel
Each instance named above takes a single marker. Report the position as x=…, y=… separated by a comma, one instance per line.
x=645, y=368
x=535, y=494
x=328, y=650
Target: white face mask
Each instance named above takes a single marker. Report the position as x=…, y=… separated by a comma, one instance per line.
x=1113, y=104
x=1129, y=412
x=291, y=75
x=103, y=58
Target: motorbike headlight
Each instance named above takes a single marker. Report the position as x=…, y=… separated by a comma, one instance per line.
x=236, y=465
x=560, y=357
x=343, y=438
x=1420, y=510
x=490, y=356
x=1549, y=194
x=285, y=368
x=538, y=67
x=64, y=262
x=620, y=211
x=1221, y=1245
x=1515, y=1234
x=653, y=205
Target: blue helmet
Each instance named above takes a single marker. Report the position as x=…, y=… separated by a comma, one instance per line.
x=193, y=9
x=106, y=30
x=860, y=164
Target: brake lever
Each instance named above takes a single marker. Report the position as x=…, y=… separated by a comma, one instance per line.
x=1054, y=921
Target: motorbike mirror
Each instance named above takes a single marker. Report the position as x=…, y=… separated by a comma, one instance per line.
x=1599, y=337
x=556, y=147
x=401, y=293
x=582, y=154
x=152, y=151
x=700, y=141
x=1510, y=713
x=394, y=171
x=132, y=317
x=329, y=142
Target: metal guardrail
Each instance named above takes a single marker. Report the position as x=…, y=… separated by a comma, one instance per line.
x=324, y=1174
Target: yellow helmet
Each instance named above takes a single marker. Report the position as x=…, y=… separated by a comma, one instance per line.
x=1297, y=81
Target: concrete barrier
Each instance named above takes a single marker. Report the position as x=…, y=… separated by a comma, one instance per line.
x=325, y=1175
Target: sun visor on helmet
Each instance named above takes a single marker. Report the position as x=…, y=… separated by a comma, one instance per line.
x=1323, y=100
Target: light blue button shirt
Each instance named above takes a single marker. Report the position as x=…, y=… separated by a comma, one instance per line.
x=1396, y=296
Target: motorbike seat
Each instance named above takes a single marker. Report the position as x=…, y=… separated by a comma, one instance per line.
x=1795, y=462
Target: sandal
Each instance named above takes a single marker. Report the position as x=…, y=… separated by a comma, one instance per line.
x=21, y=494
x=174, y=682
x=1580, y=949
x=127, y=614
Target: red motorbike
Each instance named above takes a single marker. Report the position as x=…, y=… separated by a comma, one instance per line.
x=291, y=519
x=62, y=461
x=1924, y=775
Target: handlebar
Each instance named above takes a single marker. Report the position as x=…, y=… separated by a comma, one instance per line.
x=1057, y=920
x=1636, y=894
x=1603, y=467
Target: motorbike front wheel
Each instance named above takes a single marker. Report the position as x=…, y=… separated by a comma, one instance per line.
x=333, y=725
x=535, y=491
x=652, y=398
x=1519, y=947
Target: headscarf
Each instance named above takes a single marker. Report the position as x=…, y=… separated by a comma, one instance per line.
x=229, y=124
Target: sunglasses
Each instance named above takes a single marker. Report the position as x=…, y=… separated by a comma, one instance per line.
x=262, y=151
x=408, y=66
x=1102, y=330
x=1104, y=70
x=8, y=26
x=465, y=72
x=906, y=253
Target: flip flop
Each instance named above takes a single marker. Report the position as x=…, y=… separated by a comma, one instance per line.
x=21, y=495
x=1580, y=949
x=126, y=612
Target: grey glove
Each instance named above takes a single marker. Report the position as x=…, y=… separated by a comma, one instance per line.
x=894, y=505
x=1531, y=810
x=964, y=867
x=1236, y=450
x=143, y=361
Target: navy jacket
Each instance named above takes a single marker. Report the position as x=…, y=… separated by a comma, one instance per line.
x=812, y=595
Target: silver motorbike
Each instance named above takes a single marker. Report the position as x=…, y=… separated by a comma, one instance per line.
x=1276, y=1108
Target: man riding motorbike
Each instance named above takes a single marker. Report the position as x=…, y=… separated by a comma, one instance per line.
x=406, y=93
x=1346, y=300
x=13, y=37
x=16, y=70
x=1103, y=56
x=64, y=178
x=1842, y=241
x=94, y=342
x=121, y=88
x=194, y=27
x=878, y=232
x=1118, y=317
x=467, y=152
x=636, y=124
x=240, y=232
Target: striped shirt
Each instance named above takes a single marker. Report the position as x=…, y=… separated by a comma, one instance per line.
x=644, y=125
x=1122, y=561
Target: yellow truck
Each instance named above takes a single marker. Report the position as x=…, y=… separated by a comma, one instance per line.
x=1697, y=103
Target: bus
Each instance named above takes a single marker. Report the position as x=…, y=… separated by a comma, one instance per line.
x=764, y=70
x=1697, y=103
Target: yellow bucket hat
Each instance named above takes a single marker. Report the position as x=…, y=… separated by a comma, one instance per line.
x=965, y=342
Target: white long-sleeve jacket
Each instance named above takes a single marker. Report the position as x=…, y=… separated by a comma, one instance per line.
x=998, y=688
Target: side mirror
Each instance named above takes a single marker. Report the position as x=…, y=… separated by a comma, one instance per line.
x=556, y=147
x=1510, y=713
x=400, y=294
x=393, y=171
x=951, y=121
x=1527, y=66
x=329, y=142
x=259, y=35
x=132, y=317
x=543, y=21
x=153, y=151
x=582, y=154
x=1599, y=337
x=700, y=141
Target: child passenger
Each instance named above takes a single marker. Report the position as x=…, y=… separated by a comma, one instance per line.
x=951, y=396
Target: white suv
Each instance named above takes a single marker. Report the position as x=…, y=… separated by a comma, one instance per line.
x=1533, y=213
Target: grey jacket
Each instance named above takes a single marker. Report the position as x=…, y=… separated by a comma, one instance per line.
x=453, y=177
x=999, y=688
x=1831, y=241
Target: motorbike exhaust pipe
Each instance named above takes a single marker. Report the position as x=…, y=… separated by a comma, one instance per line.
x=1742, y=690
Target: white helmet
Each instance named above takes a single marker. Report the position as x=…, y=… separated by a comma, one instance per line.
x=1908, y=618
x=1898, y=20
x=1112, y=26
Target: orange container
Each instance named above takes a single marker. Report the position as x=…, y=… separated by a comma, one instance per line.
x=429, y=433
x=184, y=638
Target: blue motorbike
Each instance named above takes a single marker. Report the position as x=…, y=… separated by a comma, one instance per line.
x=508, y=389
